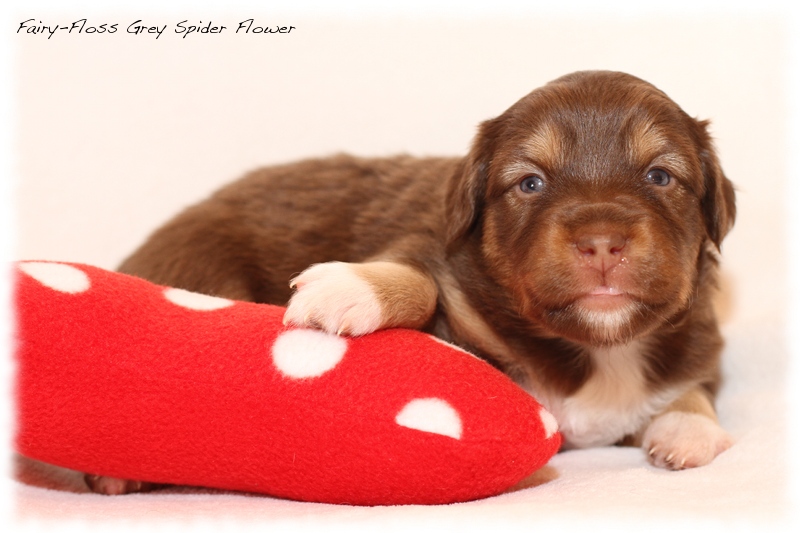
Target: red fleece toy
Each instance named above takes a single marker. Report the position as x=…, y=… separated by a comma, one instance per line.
x=121, y=377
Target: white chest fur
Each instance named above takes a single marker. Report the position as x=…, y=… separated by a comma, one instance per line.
x=615, y=401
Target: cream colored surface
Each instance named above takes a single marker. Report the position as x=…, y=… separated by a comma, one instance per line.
x=117, y=133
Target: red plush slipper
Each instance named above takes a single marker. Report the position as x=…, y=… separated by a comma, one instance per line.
x=121, y=377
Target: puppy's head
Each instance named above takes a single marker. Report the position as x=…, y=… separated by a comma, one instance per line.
x=592, y=200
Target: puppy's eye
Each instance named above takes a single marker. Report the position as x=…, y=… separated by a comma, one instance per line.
x=531, y=184
x=659, y=177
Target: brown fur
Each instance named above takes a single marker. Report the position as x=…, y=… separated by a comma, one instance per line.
x=496, y=270
x=407, y=295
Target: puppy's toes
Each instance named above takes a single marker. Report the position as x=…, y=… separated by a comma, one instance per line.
x=114, y=486
x=677, y=440
x=334, y=298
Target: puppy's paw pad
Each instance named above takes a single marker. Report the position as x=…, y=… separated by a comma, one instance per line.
x=334, y=298
x=678, y=440
x=113, y=486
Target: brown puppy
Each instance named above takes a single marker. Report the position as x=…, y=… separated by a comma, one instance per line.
x=574, y=247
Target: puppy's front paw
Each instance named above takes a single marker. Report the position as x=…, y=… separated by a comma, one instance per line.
x=677, y=440
x=334, y=298
x=114, y=486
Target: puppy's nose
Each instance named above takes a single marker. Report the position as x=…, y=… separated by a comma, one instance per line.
x=603, y=251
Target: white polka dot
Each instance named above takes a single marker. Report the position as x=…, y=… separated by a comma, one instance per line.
x=195, y=301
x=307, y=353
x=432, y=415
x=63, y=278
x=549, y=422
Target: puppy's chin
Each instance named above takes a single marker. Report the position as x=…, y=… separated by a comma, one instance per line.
x=599, y=320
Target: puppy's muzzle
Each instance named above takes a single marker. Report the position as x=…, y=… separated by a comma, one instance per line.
x=600, y=234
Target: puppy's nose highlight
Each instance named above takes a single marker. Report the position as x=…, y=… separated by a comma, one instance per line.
x=602, y=251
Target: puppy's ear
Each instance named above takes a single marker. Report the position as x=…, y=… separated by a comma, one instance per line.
x=466, y=189
x=719, y=202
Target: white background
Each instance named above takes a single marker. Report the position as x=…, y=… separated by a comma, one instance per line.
x=105, y=137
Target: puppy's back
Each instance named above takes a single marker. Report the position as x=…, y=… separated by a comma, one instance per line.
x=248, y=239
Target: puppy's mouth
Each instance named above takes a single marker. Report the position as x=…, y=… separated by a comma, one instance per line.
x=601, y=316
x=604, y=298
x=602, y=312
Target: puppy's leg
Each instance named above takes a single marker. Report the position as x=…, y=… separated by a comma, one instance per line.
x=359, y=298
x=113, y=486
x=686, y=434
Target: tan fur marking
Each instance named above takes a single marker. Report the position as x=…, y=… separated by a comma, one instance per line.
x=466, y=323
x=650, y=145
x=407, y=296
x=646, y=141
x=674, y=163
x=545, y=145
x=693, y=401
